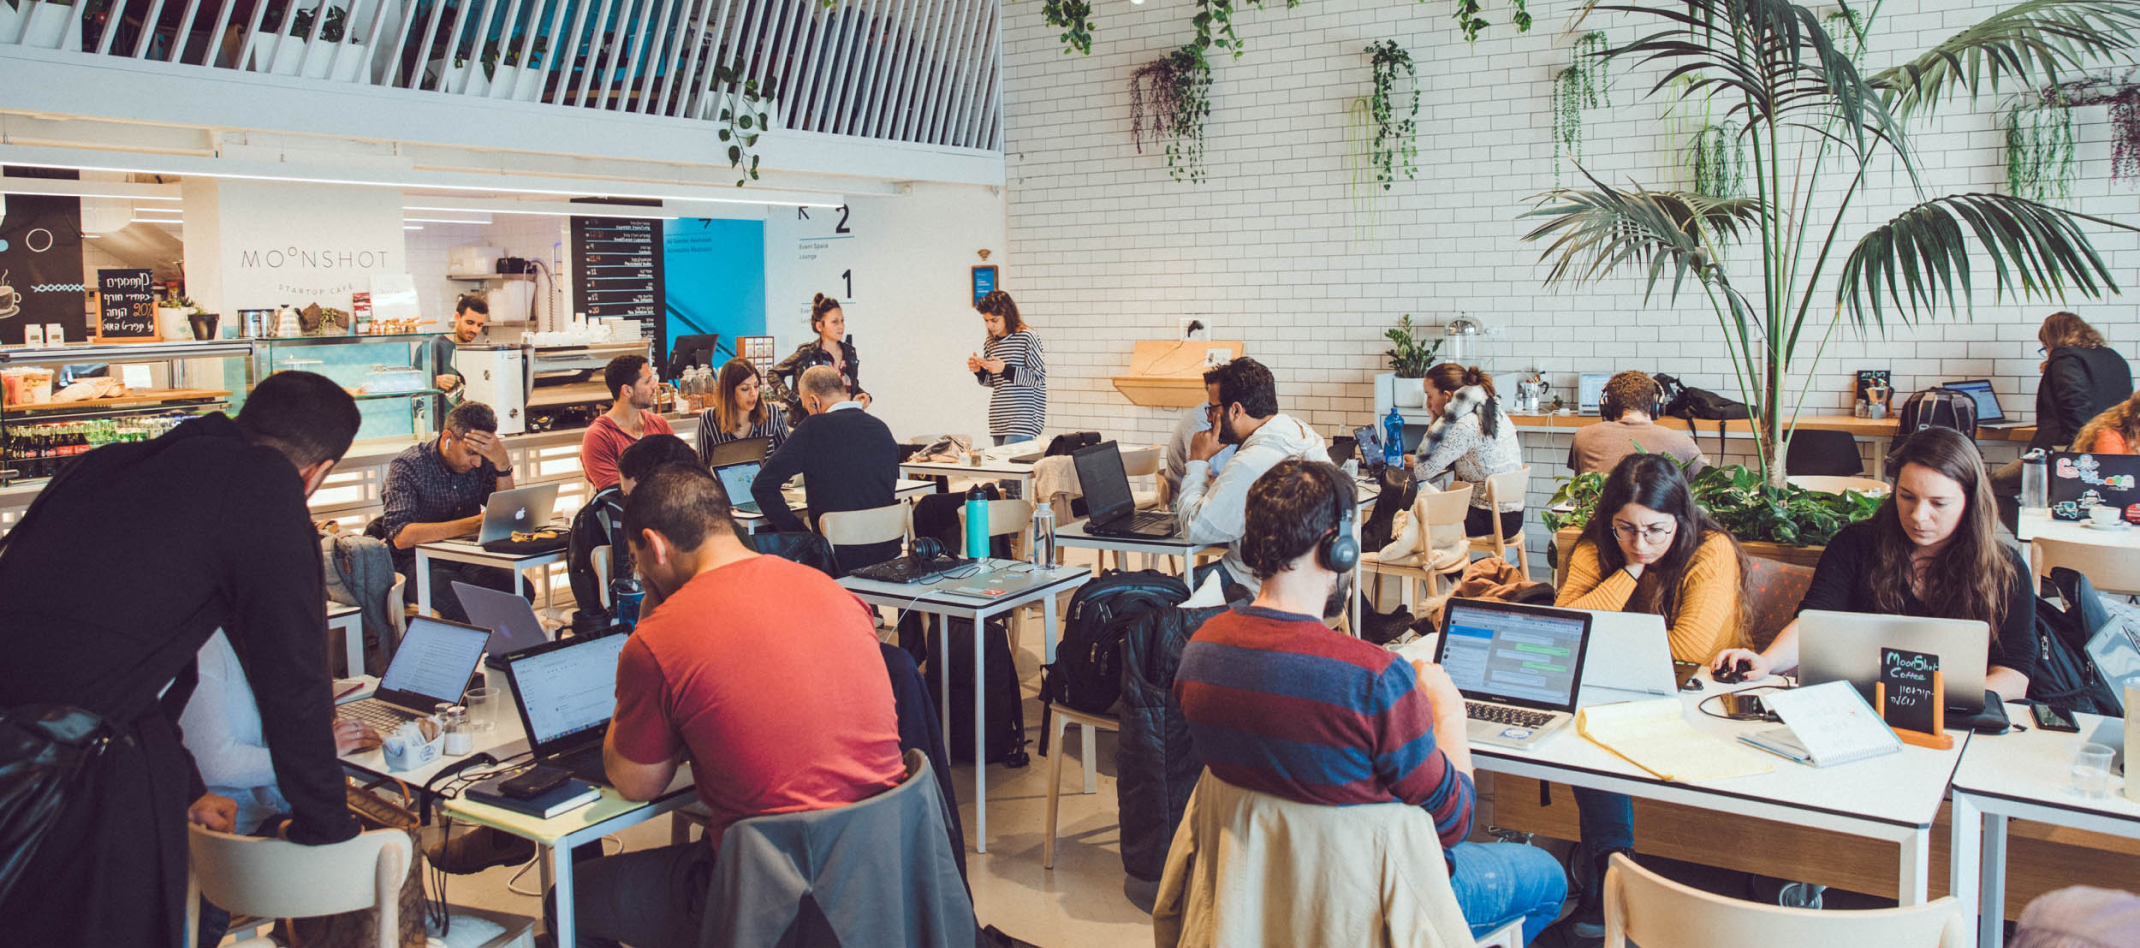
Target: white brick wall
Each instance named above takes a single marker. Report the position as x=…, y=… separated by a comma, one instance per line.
x=1269, y=248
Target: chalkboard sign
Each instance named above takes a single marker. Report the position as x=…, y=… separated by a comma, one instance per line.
x=1910, y=696
x=126, y=306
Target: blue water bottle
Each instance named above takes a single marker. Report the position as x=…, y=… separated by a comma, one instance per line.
x=1393, y=440
x=976, y=524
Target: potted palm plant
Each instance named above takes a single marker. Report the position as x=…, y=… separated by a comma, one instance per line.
x=1409, y=361
x=1816, y=129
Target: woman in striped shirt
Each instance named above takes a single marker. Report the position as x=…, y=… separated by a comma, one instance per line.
x=739, y=411
x=1011, y=362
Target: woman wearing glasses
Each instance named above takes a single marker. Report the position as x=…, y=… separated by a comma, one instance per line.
x=1648, y=548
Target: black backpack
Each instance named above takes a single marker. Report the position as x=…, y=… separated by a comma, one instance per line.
x=599, y=522
x=1683, y=401
x=1937, y=406
x=2066, y=676
x=1003, y=734
x=1087, y=671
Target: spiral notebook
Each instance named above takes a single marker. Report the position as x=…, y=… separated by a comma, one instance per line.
x=1824, y=724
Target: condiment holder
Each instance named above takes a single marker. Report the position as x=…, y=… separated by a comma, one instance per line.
x=404, y=753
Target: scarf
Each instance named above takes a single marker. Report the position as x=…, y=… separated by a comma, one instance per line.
x=1467, y=400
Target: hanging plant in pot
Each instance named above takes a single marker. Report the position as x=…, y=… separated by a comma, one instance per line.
x=1409, y=361
x=1578, y=88
x=2123, y=97
x=1467, y=17
x=1169, y=99
x=1395, y=137
x=1074, y=18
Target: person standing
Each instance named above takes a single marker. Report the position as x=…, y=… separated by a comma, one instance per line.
x=833, y=347
x=847, y=458
x=739, y=411
x=436, y=491
x=470, y=315
x=220, y=505
x=1010, y=362
x=630, y=417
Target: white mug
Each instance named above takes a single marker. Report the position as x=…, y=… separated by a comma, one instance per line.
x=2106, y=515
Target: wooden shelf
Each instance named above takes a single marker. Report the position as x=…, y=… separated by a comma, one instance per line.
x=1169, y=374
x=547, y=396
x=136, y=398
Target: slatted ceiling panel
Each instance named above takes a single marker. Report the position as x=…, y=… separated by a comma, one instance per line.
x=960, y=72
x=928, y=31
x=853, y=109
x=891, y=57
x=621, y=35
x=854, y=24
x=981, y=104
x=891, y=102
x=637, y=66
x=703, y=48
x=568, y=55
x=691, y=21
x=820, y=41
x=933, y=79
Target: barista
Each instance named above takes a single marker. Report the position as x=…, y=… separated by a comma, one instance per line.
x=470, y=315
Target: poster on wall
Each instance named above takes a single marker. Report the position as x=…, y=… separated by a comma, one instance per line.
x=714, y=278
x=984, y=281
x=825, y=252
x=618, y=265
x=126, y=306
x=41, y=266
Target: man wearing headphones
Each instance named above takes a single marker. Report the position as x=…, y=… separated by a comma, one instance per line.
x=1629, y=407
x=1279, y=703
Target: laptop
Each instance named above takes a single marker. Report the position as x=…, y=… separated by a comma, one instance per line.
x=911, y=569
x=523, y=509
x=1518, y=666
x=736, y=480
x=1005, y=578
x=1111, y=508
x=741, y=449
x=1628, y=658
x=1990, y=414
x=1845, y=646
x=509, y=617
x=2090, y=480
x=566, y=693
x=431, y=667
x=1590, y=390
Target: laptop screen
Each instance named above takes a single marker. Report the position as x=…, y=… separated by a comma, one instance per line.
x=1590, y=389
x=1988, y=409
x=435, y=659
x=1523, y=655
x=1100, y=474
x=568, y=690
x=510, y=619
x=736, y=480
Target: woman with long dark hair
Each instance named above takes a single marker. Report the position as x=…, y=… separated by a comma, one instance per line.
x=739, y=411
x=1930, y=550
x=1010, y=362
x=1648, y=548
x=1473, y=437
x=833, y=347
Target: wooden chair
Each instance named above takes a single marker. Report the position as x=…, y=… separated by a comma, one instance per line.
x=273, y=878
x=1832, y=484
x=1505, y=487
x=1644, y=908
x=864, y=527
x=1092, y=724
x=1443, y=509
x=2110, y=569
x=1144, y=462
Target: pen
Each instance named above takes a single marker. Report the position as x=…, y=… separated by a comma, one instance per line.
x=352, y=689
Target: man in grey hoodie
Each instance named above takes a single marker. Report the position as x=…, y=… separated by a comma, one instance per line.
x=1214, y=508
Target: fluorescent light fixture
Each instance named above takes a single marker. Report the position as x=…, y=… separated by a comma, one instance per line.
x=556, y=209
x=412, y=227
x=479, y=219
x=60, y=187
x=785, y=199
x=156, y=220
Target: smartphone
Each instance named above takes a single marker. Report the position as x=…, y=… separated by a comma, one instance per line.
x=539, y=780
x=1746, y=708
x=2052, y=719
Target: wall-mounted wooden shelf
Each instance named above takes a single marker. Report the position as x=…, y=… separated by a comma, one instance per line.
x=1168, y=374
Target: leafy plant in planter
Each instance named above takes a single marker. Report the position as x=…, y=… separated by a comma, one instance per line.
x=2039, y=151
x=1578, y=88
x=2123, y=97
x=744, y=119
x=1074, y=17
x=1394, y=137
x=1796, y=90
x=1409, y=358
x=331, y=25
x=1745, y=505
x=1467, y=17
x=1169, y=99
x=507, y=53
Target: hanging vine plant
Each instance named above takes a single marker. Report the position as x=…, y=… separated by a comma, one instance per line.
x=1169, y=99
x=1718, y=160
x=1577, y=89
x=1467, y=17
x=1360, y=175
x=1395, y=138
x=2123, y=97
x=1848, y=30
x=1217, y=15
x=1074, y=18
x=2039, y=151
x=743, y=117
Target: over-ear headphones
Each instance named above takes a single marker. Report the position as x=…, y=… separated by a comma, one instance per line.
x=1657, y=403
x=1339, y=550
x=927, y=548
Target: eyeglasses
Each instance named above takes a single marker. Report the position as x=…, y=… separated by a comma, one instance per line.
x=1627, y=532
x=2042, y=351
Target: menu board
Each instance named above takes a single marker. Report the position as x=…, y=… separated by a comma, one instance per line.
x=617, y=265
x=1909, y=690
x=126, y=306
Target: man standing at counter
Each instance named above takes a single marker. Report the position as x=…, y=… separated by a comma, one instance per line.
x=215, y=515
x=436, y=491
x=632, y=383
x=470, y=315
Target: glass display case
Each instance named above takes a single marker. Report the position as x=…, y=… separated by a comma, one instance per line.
x=391, y=376
x=62, y=401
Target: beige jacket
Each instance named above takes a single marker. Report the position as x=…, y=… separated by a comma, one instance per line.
x=1248, y=869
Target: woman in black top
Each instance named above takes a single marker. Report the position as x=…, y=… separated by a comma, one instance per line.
x=739, y=411
x=832, y=347
x=1928, y=551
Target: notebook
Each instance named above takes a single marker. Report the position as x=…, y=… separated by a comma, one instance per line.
x=570, y=795
x=1655, y=736
x=1824, y=725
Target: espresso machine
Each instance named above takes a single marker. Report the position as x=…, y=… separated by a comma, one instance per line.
x=497, y=375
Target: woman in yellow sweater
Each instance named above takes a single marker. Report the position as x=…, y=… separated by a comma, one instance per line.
x=1648, y=548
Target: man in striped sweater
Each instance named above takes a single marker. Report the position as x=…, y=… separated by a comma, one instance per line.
x=1279, y=703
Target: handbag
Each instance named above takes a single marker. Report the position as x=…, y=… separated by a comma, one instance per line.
x=360, y=929
x=1683, y=401
x=47, y=756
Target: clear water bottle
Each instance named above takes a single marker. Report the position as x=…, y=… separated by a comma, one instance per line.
x=1393, y=440
x=2035, y=483
x=1044, y=536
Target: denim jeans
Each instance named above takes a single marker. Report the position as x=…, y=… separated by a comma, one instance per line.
x=1002, y=440
x=1607, y=821
x=1497, y=883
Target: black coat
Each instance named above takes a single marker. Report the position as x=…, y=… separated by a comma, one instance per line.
x=2078, y=384
x=848, y=461
x=108, y=587
x=789, y=374
x=1155, y=762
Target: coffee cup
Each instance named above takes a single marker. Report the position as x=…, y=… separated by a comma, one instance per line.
x=8, y=299
x=2106, y=515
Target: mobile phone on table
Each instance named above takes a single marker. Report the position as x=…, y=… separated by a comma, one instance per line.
x=539, y=779
x=2052, y=719
x=1740, y=707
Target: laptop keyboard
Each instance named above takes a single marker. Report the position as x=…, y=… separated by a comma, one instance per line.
x=1150, y=520
x=1503, y=714
x=377, y=713
x=585, y=763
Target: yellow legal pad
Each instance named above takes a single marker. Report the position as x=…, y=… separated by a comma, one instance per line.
x=1655, y=736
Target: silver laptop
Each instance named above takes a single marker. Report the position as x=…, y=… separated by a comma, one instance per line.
x=1845, y=646
x=525, y=509
x=1629, y=658
x=736, y=480
x=510, y=618
x=1004, y=578
x=431, y=667
x=1590, y=390
x=1519, y=668
x=1990, y=414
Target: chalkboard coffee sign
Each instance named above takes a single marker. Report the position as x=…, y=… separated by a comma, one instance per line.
x=1913, y=696
x=126, y=306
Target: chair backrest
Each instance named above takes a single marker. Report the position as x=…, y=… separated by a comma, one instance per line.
x=1655, y=912
x=1509, y=487
x=863, y=527
x=1773, y=590
x=1141, y=462
x=274, y=878
x=1815, y=451
x=736, y=452
x=600, y=558
x=1004, y=517
x=2110, y=569
x=1831, y=484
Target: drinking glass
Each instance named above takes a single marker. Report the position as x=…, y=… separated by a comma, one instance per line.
x=2091, y=771
x=482, y=708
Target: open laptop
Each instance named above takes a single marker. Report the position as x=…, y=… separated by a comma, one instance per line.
x=509, y=617
x=1990, y=414
x=1845, y=646
x=431, y=667
x=1628, y=658
x=1518, y=666
x=566, y=693
x=525, y=509
x=736, y=480
x=1590, y=390
x=1111, y=508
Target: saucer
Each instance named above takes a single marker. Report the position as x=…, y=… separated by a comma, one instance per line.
x=2119, y=525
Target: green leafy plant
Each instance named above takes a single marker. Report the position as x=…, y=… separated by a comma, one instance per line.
x=1360, y=173
x=1717, y=157
x=507, y=53
x=1409, y=358
x=331, y=25
x=1074, y=17
x=1169, y=99
x=2039, y=151
x=1218, y=14
x=1468, y=17
x=1578, y=88
x=1745, y=505
x=1816, y=130
x=2123, y=97
x=744, y=119
x=1395, y=138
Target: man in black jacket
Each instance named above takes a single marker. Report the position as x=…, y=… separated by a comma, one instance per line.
x=848, y=461
x=109, y=584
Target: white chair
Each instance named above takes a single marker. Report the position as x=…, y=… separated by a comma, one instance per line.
x=2110, y=569
x=1833, y=484
x=1009, y=518
x=599, y=558
x=1644, y=908
x=1444, y=509
x=864, y=527
x=1144, y=462
x=273, y=878
x=1505, y=487
x=1092, y=724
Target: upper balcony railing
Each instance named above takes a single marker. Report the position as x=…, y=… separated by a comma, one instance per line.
x=919, y=71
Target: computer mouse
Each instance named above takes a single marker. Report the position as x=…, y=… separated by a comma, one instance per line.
x=1734, y=674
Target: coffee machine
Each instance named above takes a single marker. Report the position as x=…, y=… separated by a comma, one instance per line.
x=496, y=374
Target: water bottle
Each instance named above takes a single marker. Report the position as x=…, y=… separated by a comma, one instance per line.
x=1044, y=536
x=1393, y=440
x=976, y=524
x=2035, y=485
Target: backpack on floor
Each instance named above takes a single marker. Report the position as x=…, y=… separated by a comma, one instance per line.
x=1937, y=406
x=1003, y=736
x=1087, y=671
x=2066, y=676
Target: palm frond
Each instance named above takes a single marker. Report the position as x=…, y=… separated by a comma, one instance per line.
x=1920, y=258
x=2028, y=43
x=1597, y=230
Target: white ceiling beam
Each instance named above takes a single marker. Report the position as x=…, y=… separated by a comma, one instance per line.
x=94, y=189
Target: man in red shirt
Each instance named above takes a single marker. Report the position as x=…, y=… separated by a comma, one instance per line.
x=632, y=383
x=764, y=673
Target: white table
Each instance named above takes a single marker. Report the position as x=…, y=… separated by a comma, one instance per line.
x=2023, y=775
x=469, y=551
x=924, y=598
x=902, y=489
x=996, y=465
x=1073, y=535
x=2037, y=524
x=350, y=620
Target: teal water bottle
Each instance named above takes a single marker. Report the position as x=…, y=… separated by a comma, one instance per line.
x=976, y=524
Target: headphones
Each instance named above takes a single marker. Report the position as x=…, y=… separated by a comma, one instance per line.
x=927, y=548
x=1339, y=550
